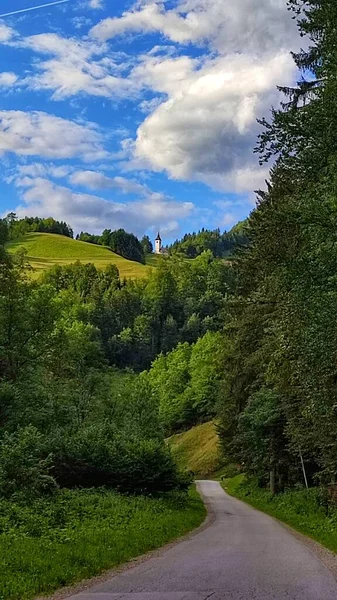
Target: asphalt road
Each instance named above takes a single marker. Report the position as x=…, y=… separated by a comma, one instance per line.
x=242, y=555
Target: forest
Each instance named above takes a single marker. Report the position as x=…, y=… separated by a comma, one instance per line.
x=250, y=341
x=279, y=417
x=96, y=371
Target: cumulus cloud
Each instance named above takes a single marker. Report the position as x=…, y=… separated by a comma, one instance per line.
x=202, y=120
x=40, y=134
x=88, y=212
x=7, y=79
x=76, y=66
x=206, y=130
x=244, y=25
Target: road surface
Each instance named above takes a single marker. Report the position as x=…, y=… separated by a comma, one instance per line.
x=242, y=555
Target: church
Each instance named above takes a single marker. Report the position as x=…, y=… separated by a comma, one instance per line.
x=158, y=246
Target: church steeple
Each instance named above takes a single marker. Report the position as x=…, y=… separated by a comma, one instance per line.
x=158, y=244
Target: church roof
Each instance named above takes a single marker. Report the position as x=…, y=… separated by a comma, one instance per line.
x=158, y=238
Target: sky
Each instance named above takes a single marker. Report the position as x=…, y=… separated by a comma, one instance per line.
x=139, y=115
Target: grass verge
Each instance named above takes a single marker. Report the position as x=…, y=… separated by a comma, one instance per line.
x=81, y=533
x=307, y=511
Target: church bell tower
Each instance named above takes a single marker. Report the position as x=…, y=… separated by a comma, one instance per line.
x=158, y=244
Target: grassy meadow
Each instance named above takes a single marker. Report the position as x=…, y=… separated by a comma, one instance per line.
x=52, y=543
x=197, y=449
x=47, y=249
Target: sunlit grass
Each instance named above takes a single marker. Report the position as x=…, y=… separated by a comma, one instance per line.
x=79, y=534
x=197, y=449
x=47, y=249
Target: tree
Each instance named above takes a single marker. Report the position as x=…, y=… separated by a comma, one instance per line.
x=146, y=245
x=4, y=232
x=283, y=370
x=127, y=245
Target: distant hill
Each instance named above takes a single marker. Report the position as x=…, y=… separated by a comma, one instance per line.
x=47, y=249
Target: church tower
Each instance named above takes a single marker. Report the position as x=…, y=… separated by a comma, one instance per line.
x=158, y=244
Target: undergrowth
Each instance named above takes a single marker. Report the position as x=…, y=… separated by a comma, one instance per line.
x=77, y=534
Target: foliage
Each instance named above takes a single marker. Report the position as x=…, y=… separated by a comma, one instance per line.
x=220, y=244
x=146, y=245
x=23, y=468
x=19, y=227
x=281, y=403
x=77, y=534
x=84, y=236
x=4, y=232
x=188, y=381
x=178, y=301
x=65, y=416
x=125, y=244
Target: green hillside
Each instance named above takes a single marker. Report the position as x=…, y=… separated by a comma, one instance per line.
x=47, y=249
x=197, y=449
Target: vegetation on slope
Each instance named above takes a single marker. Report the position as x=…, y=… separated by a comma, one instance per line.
x=197, y=450
x=79, y=533
x=45, y=250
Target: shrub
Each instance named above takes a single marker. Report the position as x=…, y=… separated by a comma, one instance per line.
x=23, y=468
x=96, y=457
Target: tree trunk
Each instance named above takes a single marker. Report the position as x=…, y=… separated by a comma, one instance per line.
x=272, y=479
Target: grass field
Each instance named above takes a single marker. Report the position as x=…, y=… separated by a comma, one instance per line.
x=46, y=249
x=307, y=511
x=79, y=534
x=197, y=449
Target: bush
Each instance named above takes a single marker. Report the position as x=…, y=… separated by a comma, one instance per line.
x=23, y=469
x=96, y=457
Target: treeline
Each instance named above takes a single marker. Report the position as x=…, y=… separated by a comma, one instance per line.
x=220, y=244
x=179, y=301
x=279, y=416
x=121, y=242
x=13, y=228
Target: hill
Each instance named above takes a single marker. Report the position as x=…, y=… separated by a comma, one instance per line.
x=197, y=449
x=47, y=249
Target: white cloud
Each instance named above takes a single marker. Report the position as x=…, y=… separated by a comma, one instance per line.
x=7, y=79
x=80, y=22
x=96, y=4
x=202, y=122
x=76, y=66
x=97, y=181
x=6, y=33
x=206, y=129
x=88, y=212
x=42, y=170
x=242, y=26
x=41, y=134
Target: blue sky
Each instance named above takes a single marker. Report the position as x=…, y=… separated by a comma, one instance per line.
x=140, y=114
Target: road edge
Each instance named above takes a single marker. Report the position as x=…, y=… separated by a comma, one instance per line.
x=326, y=556
x=87, y=584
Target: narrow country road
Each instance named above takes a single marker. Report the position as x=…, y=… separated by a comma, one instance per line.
x=242, y=555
